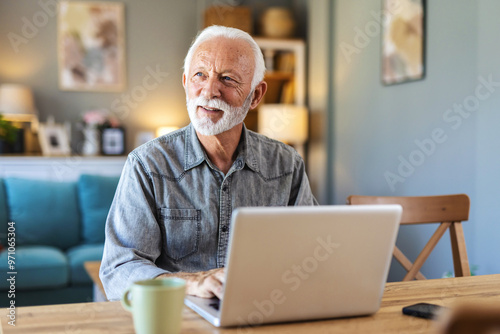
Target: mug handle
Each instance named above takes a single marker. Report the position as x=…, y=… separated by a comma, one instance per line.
x=126, y=301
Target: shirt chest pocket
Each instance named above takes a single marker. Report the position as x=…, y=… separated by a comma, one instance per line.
x=181, y=232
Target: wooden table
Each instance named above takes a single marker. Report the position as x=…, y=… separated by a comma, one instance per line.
x=110, y=317
x=92, y=268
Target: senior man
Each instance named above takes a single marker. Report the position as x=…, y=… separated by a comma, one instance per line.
x=172, y=208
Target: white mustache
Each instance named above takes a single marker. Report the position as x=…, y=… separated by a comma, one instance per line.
x=231, y=115
x=212, y=103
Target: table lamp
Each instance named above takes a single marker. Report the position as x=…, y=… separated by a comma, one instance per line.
x=284, y=122
x=17, y=105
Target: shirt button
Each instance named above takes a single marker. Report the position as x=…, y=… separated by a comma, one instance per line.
x=225, y=228
x=224, y=189
x=239, y=164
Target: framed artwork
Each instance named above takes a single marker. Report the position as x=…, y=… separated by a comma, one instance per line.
x=54, y=139
x=403, y=41
x=113, y=141
x=91, y=46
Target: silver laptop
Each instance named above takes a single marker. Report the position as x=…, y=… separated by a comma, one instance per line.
x=303, y=263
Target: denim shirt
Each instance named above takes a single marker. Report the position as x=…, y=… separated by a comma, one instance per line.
x=172, y=208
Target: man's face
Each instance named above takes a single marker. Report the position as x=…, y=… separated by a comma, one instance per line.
x=218, y=85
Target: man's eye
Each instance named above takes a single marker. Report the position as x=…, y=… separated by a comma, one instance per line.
x=226, y=78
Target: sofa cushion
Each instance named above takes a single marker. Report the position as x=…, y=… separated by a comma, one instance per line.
x=95, y=194
x=3, y=215
x=45, y=212
x=37, y=267
x=76, y=258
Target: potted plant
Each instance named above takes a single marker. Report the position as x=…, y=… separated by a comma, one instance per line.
x=8, y=136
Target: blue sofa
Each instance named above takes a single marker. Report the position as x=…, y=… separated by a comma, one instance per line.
x=58, y=226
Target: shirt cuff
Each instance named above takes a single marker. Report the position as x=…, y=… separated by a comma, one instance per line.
x=146, y=272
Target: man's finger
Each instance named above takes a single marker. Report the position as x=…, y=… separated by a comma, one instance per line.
x=217, y=289
x=221, y=275
x=214, y=285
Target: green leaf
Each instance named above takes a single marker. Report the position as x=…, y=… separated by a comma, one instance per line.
x=8, y=132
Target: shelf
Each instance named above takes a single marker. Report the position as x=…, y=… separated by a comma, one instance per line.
x=279, y=75
x=67, y=168
x=297, y=70
x=291, y=81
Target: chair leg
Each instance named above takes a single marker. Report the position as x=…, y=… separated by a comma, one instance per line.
x=405, y=262
x=426, y=251
x=460, y=261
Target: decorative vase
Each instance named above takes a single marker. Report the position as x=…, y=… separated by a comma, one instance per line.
x=278, y=22
x=91, y=141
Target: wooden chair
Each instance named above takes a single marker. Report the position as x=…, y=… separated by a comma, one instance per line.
x=448, y=210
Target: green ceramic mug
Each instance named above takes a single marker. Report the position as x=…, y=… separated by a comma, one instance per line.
x=156, y=305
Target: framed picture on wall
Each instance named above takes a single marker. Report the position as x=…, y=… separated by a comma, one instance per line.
x=403, y=41
x=91, y=46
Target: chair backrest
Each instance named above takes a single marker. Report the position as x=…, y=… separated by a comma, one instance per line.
x=447, y=210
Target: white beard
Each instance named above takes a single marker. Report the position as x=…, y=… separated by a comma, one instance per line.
x=231, y=116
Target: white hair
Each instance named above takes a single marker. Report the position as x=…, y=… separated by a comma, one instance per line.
x=230, y=33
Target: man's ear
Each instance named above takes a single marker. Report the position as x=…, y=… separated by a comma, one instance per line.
x=184, y=80
x=258, y=93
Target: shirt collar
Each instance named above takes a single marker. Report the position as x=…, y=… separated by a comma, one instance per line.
x=193, y=151
x=246, y=149
x=194, y=154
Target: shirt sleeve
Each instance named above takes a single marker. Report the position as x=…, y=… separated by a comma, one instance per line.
x=133, y=239
x=301, y=193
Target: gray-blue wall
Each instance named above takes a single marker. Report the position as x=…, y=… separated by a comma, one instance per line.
x=382, y=130
x=487, y=159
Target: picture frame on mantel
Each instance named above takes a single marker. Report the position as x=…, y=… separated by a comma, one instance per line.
x=54, y=139
x=403, y=41
x=91, y=46
x=113, y=141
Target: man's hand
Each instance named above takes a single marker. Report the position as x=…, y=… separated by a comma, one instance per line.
x=205, y=284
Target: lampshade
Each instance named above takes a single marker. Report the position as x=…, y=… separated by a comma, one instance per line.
x=163, y=130
x=284, y=122
x=17, y=103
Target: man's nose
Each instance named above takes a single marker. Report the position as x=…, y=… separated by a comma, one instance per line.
x=211, y=89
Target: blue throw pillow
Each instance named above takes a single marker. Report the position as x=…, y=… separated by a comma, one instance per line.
x=44, y=212
x=95, y=193
x=3, y=215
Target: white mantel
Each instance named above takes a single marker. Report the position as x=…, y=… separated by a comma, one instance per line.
x=59, y=168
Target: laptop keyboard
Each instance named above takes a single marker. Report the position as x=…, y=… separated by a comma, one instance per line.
x=215, y=303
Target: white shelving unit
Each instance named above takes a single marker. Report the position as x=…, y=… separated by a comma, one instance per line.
x=271, y=45
x=59, y=168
